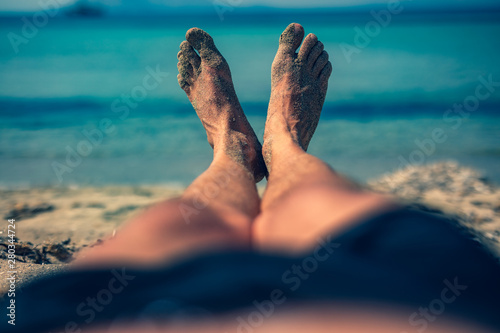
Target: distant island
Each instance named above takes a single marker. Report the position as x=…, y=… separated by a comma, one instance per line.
x=84, y=9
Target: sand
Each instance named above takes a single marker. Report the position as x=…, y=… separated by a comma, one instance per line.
x=80, y=217
x=52, y=224
x=453, y=190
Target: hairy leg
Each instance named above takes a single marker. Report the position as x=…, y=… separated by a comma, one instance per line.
x=304, y=198
x=217, y=209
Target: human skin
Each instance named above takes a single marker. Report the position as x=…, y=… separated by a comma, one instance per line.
x=217, y=210
x=304, y=199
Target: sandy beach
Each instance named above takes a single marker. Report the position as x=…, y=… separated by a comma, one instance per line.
x=52, y=224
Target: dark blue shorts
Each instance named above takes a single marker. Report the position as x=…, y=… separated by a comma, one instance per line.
x=405, y=257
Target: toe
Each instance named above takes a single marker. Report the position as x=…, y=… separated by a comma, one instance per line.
x=315, y=53
x=205, y=45
x=307, y=46
x=188, y=51
x=320, y=63
x=325, y=73
x=185, y=69
x=291, y=38
x=184, y=85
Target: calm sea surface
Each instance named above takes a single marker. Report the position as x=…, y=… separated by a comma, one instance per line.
x=67, y=115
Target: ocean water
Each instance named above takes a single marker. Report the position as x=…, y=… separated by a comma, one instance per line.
x=394, y=100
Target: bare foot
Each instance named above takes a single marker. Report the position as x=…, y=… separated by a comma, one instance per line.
x=299, y=82
x=207, y=81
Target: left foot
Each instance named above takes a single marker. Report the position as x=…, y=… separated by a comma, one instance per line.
x=207, y=81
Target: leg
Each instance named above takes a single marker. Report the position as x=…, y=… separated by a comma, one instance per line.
x=304, y=198
x=218, y=208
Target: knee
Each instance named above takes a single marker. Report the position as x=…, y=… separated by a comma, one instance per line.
x=298, y=218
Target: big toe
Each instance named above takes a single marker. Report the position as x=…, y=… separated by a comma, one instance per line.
x=204, y=44
x=291, y=38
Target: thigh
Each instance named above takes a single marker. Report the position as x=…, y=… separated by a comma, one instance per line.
x=167, y=231
x=300, y=218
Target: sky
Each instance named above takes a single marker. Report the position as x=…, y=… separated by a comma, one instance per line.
x=138, y=6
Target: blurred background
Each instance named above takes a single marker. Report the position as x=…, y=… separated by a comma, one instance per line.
x=89, y=95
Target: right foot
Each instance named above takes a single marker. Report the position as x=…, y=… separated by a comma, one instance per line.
x=299, y=82
x=206, y=80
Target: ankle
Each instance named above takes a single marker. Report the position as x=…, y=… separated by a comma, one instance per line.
x=238, y=147
x=280, y=148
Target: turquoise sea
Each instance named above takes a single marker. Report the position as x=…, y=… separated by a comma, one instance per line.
x=397, y=98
